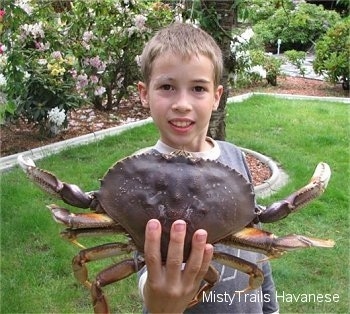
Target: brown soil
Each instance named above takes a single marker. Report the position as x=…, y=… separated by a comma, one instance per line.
x=20, y=136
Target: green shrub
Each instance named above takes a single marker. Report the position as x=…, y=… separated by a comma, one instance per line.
x=333, y=54
x=298, y=28
x=254, y=11
x=296, y=58
x=271, y=65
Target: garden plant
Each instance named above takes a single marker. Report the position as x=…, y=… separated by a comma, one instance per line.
x=333, y=54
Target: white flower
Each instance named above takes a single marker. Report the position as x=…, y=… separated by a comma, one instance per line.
x=138, y=60
x=87, y=36
x=258, y=69
x=247, y=34
x=36, y=30
x=56, y=116
x=140, y=21
x=42, y=61
x=2, y=80
x=25, y=6
x=3, y=60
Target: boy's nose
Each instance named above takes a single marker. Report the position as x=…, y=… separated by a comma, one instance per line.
x=182, y=103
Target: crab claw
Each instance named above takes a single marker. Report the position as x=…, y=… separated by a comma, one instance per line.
x=69, y=193
x=25, y=164
x=300, y=198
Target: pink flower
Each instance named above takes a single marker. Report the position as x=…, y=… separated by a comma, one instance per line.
x=2, y=48
x=82, y=81
x=94, y=79
x=56, y=55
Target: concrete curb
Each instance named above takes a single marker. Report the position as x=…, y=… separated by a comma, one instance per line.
x=240, y=98
x=278, y=179
x=8, y=162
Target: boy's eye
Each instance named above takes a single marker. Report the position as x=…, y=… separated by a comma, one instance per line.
x=166, y=87
x=199, y=89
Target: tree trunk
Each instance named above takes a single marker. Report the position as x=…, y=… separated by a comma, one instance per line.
x=219, y=17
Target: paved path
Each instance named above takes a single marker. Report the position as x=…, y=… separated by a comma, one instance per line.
x=291, y=70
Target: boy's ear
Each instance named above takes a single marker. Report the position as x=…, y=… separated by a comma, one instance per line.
x=217, y=97
x=142, y=89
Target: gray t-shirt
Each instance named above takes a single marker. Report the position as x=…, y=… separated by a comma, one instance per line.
x=221, y=298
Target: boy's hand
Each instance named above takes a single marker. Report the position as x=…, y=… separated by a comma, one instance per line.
x=168, y=288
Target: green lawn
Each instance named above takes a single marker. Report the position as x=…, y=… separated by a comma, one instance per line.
x=36, y=274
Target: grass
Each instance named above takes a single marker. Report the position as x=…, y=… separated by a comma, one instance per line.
x=36, y=274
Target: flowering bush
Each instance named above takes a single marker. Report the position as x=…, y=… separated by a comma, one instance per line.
x=60, y=60
x=107, y=48
x=252, y=64
x=333, y=54
x=37, y=67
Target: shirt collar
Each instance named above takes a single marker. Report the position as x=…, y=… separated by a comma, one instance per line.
x=211, y=154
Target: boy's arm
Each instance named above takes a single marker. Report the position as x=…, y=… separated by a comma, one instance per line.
x=169, y=288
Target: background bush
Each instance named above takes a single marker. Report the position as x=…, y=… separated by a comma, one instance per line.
x=298, y=28
x=333, y=53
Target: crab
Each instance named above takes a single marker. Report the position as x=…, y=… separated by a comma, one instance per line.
x=205, y=194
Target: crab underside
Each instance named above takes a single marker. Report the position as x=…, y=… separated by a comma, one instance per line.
x=205, y=194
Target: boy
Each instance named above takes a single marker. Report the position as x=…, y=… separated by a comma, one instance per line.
x=181, y=67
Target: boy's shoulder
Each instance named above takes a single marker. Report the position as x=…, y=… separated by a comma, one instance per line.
x=227, y=145
x=227, y=148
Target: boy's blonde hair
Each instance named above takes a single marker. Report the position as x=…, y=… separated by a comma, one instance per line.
x=184, y=40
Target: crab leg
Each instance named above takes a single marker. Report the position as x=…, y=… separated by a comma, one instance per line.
x=300, y=198
x=97, y=253
x=80, y=220
x=272, y=246
x=256, y=276
x=72, y=235
x=110, y=275
x=210, y=278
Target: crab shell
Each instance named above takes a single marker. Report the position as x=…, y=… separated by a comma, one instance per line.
x=205, y=194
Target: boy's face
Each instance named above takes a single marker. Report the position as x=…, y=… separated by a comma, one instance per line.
x=181, y=97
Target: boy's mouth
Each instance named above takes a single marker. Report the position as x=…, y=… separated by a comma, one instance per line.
x=181, y=123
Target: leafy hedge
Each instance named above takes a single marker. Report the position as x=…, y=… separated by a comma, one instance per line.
x=298, y=28
x=333, y=53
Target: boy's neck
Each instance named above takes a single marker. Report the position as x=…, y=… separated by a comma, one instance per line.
x=212, y=153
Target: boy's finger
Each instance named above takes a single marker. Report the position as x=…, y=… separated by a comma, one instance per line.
x=152, y=248
x=200, y=257
x=175, y=250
